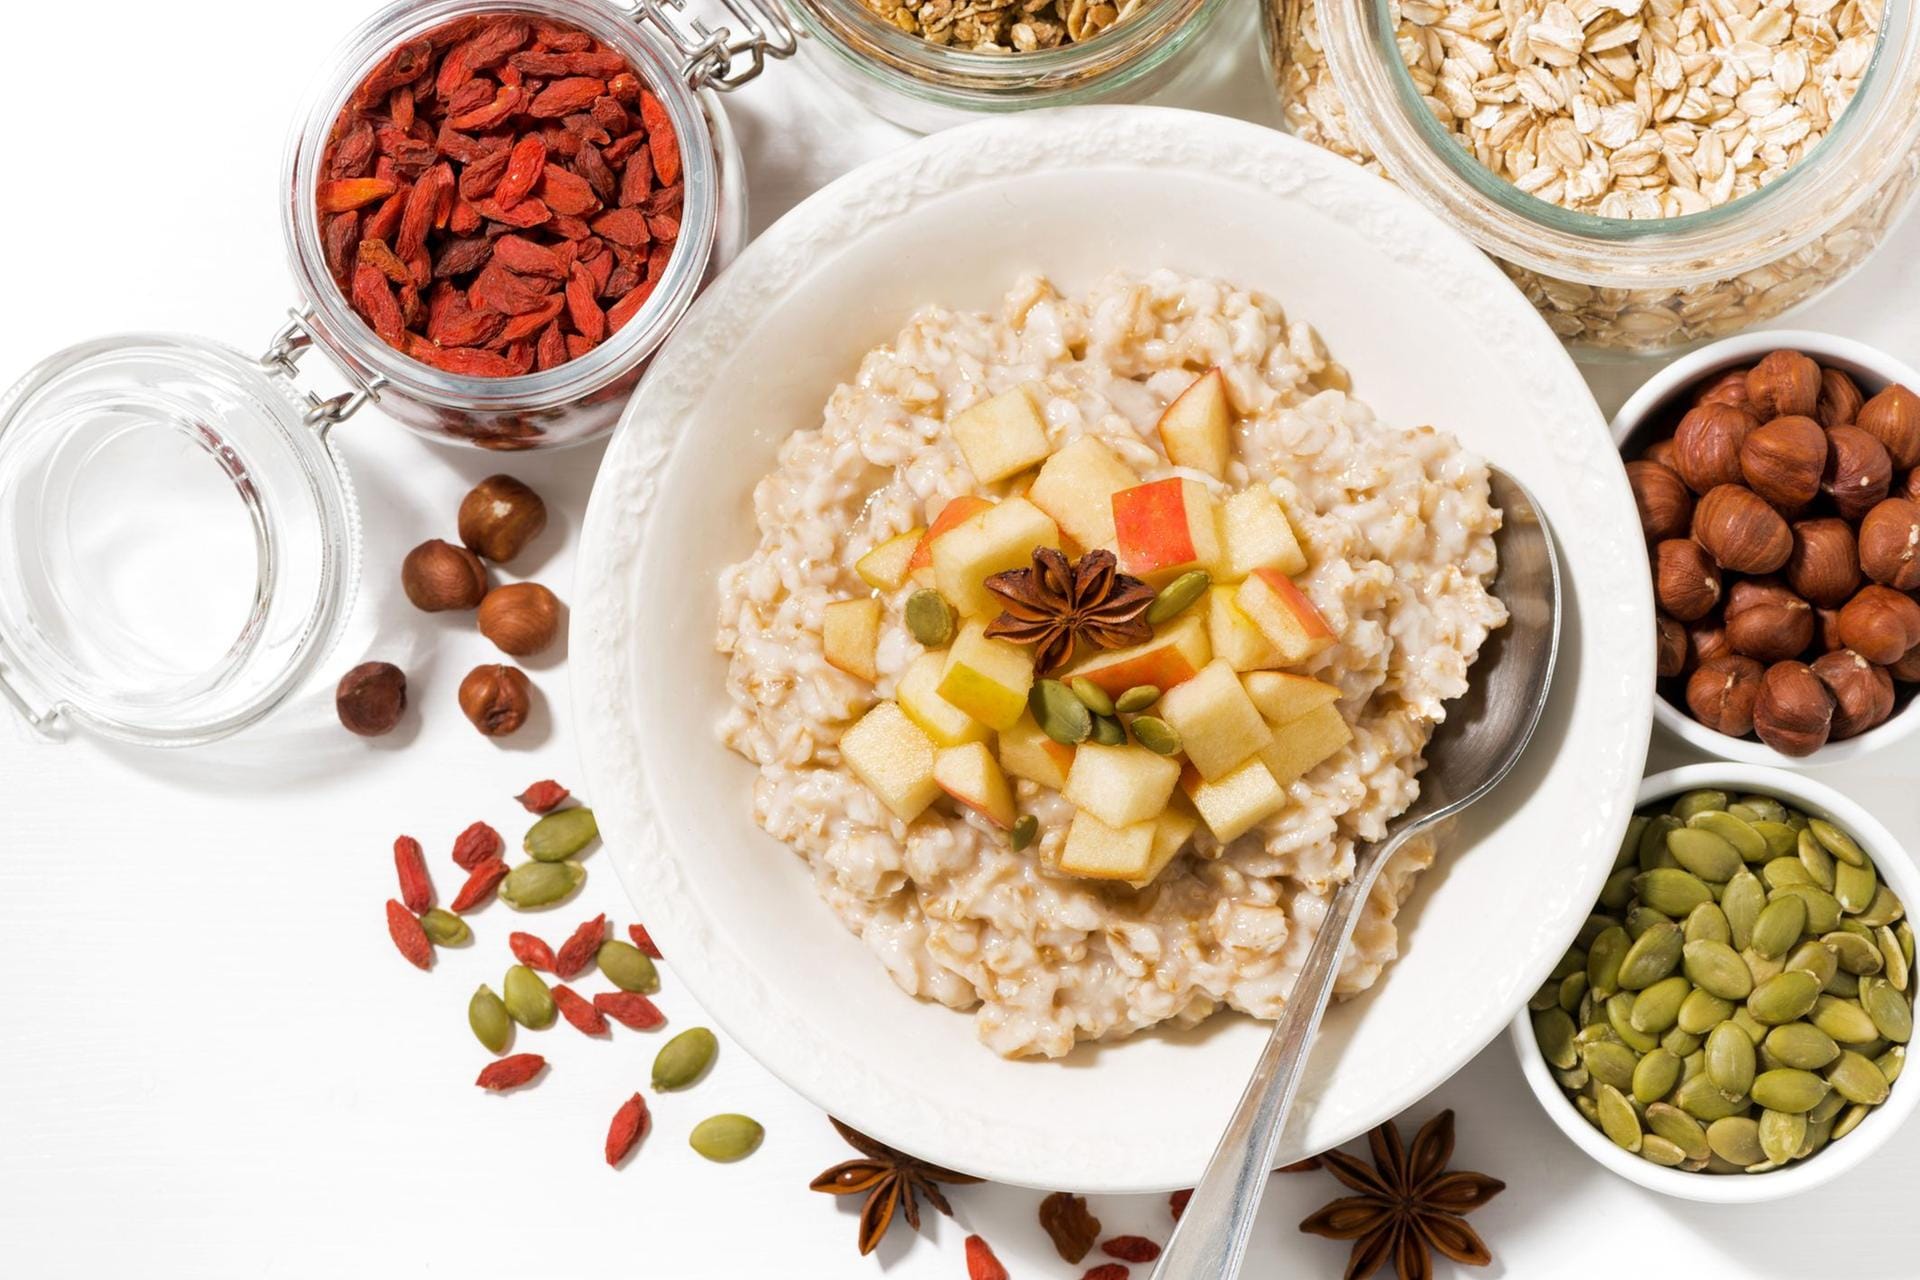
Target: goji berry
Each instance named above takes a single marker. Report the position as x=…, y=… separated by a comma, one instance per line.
x=1106, y=1271
x=530, y=951
x=477, y=844
x=1177, y=1202
x=981, y=1264
x=480, y=885
x=511, y=1072
x=660, y=140
x=630, y=1009
x=643, y=940
x=408, y=936
x=343, y=194
x=628, y=1127
x=416, y=889
x=1130, y=1248
x=564, y=97
x=542, y=797
x=577, y=1010
x=577, y=952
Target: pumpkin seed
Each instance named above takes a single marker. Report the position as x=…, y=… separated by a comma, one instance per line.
x=1854, y=887
x=1823, y=909
x=1828, y=1107
x=1679, y=1128
x=1850, y=1120
x=1892, y=1015
x=1610, y=1063
x=1652, y=956
x=1092, y=694
x=1745, y=897
x=1681, y=1044
x=1630, y=842
x=1837, y=842
x=1698, y=1098
x=1603, y=961
x=1736, y=1139
x=1574, y=1079
x=1784, y=998
x=1662, y=1152
x=487, y=1015
x=1642, y=918
x=1782, y=1135
x=1843, y=984
x=540, y=884
x=1060, y=715
x=1756, y=1032
x=1768, y=808
x=1777, y=840
x=1573, y=961
x=1717, y=969
x=1802, y=1045
x=930, y=618
x=1586, y=1108
x=1672, y=891
x=1760, y=968
x=527, y=1000
x=1156, y=735
x=1573, y=989
x=1815, y=860
x=1695, y=802
x=684, y=1059
x=1730, y=1060
x=1903, y=932
x=1652, y=853
x=1655, y=1076
x=1736, y=831
x=1024, y=832
x=1892, y=1063
x=1884, y=909
x=561, y=834
x=1706, y=853
x=1818, y=1132
x=1656, y=1008
x=1617, y=892
x=1618, y=1120
x=726, y=1138
x=1856, y=1079
x=1779, y=926
x=1694, y=1064
x=1708, y=921
x=1844, y=1020
x=1136, y=699
x=1781, y=872
x=1178, y=596
x=1893, y=960
x=1620, y=1018
x=1816, y=958
x=445, y=928
x=1554, y=1030
x=1855, y=954
x=1702, y=1011
x=1109, y=732
x=627, y=967
x=1789, y=1090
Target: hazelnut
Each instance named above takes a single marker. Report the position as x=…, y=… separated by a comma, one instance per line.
x=1706, y=640
x=496, y=698
x=1862, y=693
x=1721, y=694
x=1783, y=460
x=1840, y=399
x=1881, y=625
x=1740, y=531
x=1730, y=388
x=1784, y=383
x=1858, y=471
x=1826, y=628
x=1910, y=488
x=1825, y=565
x=1685, y=579
x=1893, y=418
x=1662, y=452
x=1706, y=446
x=370, y=698
x=1907, y=668
x=1672, y=645
x=1666, y=505
x=500, y=516
x=437, y=575
x=521, y=619
x=1890, y=544
x=1794, y=712
x=1767, y=622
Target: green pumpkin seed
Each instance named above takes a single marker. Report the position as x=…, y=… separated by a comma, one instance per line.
x=1802, y=1045
x=1844, y=1020
x=1730, y=1060
x=1777, y=840
x=1630, y=842
x=1620, y=1018
x=1826, y=1109
x=1618, y=1120
x=1156, y=735
x=1742, y=902
x=1697, y=802
x=1891, y=1013
x=1573, y=1080
x=1760, y=967
x=1652, y=853
x=1698, y=1098
x=1642, y=918
x=1904, y=933
x=561, y=834
x=1671, y=891
x=1782, y=1135
x=1554, y=1030
x=725, y=1138
x=540, y=884
x=1679, y=1128
x=930, y=618
x=1837, y=842
x=1652, y=956
x=1735, y=831
x=1178, y=596
x=1610, y=1063
x=1893, y=960
x=1814, y=860
x=1818, y=1133
x=1816, y=958
x=1702, y=1011
x=1024, y=832
x=1884, y=909
x=1854, y=887
x=1136, y=699
x=1764, y=1060
x=487, y=1015
x=1856, y=1079
x=1662, y=1152
x=1823, y=909
x=445, y=928
x=1756, y=1031
x=1768, y=808
x=1781, y=872
x=1708, y=921
x=1794, y=1092
x=627, y=967
x=1694, y=1064
x=1109, y=732
x=1736, y=1139
x=1784, y=998
x=527, y=1000
x=1892, y=1063
x=1681, y=1044
x=1843, y=984
x=1705, y=853
x=684, y=1059
x=1850, y=1120
x=1574, y=961
x=1603, y=961
x=1853, y=953
x=1655, y=1077
x=1658, y=1007
x=1573, y=989
x=1092, y=694
x=1060, y=715
x=1717, y=969
x=1587, y=1108
x=1617, y=892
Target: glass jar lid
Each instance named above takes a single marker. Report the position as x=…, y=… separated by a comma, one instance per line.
x=179, y=542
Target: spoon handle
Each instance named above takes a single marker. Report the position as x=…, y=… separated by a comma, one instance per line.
x=1211, y=1238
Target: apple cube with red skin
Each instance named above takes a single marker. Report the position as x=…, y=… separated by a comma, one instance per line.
x=1283, y=612
x=1300, y=744
x=1100, y=852
x=1164, y=528
x=1235, y=804
x=1218, y=724
x=1197, y=428
x=951, y=517
x=1076, y=487
x=886, y=567
x=1171, y=831
x=894, y=758
x=971, y=775
x=1283, y=697
x=1027, y=752
x=1120, y=785
x=918, y=694
x=1002, y=436
x=1242, y=645
x=850, y=635
x=989, y=542
x=988, y=679
x=1168, y=660
x=1256, y=534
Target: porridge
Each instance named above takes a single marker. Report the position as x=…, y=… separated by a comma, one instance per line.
x=1087, y=748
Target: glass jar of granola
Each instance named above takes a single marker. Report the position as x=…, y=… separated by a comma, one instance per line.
x=1651, y=173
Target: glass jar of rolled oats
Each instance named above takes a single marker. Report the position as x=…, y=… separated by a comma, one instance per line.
x=1651, y=173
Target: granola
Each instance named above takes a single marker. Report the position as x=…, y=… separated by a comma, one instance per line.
x=1004, y=26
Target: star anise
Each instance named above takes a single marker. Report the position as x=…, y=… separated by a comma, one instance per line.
x=1057, y=604
x=892, y=1181
x=1408, y=1207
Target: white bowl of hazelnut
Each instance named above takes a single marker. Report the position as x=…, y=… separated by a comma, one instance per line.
x=1778, y=480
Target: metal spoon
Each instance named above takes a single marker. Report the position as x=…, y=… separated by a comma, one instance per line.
x=1485, y=732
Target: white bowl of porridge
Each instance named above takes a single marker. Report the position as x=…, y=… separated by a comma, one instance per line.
x=940, y=906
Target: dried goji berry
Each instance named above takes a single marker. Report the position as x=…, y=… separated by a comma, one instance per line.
x=624, y=226
x=530, y=951
x=517, y=253
x=384, y=221
x=588, y=320
x=533, y=322
x=577, y=952
x=480, y=885
x=511, y=1072
x=376, y=254
x=643, y=940
x=522, y=214
x=636, y=184
x=408, y=936
x=630, y=1009
x=628, y=1127
x=373, y=299
x=477, y=844
x=341, y=194
x=416, y=887
x=1177, y=1202
x=981, y=1264
x=567, y=193
x=628, y=307
x=565, y=96
x=542, y=797
x=1130, y=1248
x=578, y=1011
x=1106, y=1271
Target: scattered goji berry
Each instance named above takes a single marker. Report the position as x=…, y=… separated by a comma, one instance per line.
x=1130, y=1248
x=981, y=1264
x=577, y=952
x=542, y=797
x=511, y=1072
x=477, y=844
x=416, y=889
x=630, y=1009
x=408, y=936
x=577, y=1010
x=530, y=951
x=1177, y=1202
x=628, y=1127
x=643, y=940
x=480, y=885
x=1107, y=1271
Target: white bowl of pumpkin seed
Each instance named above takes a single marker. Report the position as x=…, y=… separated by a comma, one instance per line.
x=1731, y=1022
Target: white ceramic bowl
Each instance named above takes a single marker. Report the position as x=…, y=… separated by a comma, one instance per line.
x=1432, y=334
x=1651, y=412
x=1895, y=868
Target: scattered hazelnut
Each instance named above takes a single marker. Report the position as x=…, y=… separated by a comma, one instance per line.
x=521, y=619
x=437, y=575
x=1706, y=445
x=1893, y=418
x=1721, y=694
x=1730, y=388
x=500, y=516
x=1662, y=452
x=1783, y=383
x=496, y=698
x=1824, y=566
x=1794, y=712
x=1826, y=627
x=1767, y=622
x=370, y=698
x=1685, y=579
x=1673, y=645
x=1666, y=505
x=1740, y=531
x=1862, y=693
x=1890, y=544
x=1840, y=399
x=1706, y=640
x=1881, y=625
x=1783, y=460
x=1858, y=472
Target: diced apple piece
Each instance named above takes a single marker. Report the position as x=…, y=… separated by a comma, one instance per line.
x=1256, y=534
x=951, y=517
x=918, y=694
x=1300, y=744
x=1197, y=428
x=1170, y=658
x=987, y=543
x=1027, y=752
x=1002, y=436
x=1164, y=528
x=972, y=776
x=987, y=679
x=1120, y=785
x=1235, y=804
x=1100, y=852
x=1171, y=831
x=1242, y=645
x=850, y=633
x=1285, y=615
x=1076, y=487
x=894, y=758
x=885, y=568
x=1218, y=724
x=1283, y=697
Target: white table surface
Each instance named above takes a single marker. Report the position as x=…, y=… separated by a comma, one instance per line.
x=211, y=1061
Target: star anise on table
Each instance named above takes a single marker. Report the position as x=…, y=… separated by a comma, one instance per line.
x=1408, y=1205
x=892, y=1181
x=1058, y=604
